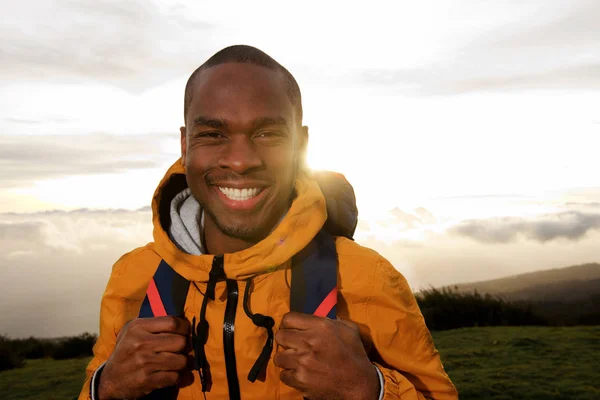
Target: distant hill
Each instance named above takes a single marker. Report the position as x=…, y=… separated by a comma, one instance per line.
x=564, y=296
x=570, y=284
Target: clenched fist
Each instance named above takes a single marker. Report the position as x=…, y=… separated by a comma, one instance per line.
x=325, y=359
x=150, y=354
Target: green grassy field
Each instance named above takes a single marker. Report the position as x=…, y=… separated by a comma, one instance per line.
x=531, y=363
x=44, y=380
x=485, y=363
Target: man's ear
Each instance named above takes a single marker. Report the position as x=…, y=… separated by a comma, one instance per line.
x=183, y=144
x=302, y=148
x=304, y=136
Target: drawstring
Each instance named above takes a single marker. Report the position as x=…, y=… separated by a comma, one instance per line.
x=263, y=321
x=200, y=331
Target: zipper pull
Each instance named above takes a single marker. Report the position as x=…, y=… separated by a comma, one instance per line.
x=216, y=274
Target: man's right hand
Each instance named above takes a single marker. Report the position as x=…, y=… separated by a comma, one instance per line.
x=150, y=354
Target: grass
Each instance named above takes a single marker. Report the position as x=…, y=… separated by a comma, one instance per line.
x=527, y=363
x=502, y=363
x=44, y=379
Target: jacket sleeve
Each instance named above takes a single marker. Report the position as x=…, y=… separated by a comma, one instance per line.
x=111, y=320
x=403, y=348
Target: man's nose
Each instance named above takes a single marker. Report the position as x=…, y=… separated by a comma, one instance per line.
x=240, y=155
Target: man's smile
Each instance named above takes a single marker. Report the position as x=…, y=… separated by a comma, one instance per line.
x=241, y=199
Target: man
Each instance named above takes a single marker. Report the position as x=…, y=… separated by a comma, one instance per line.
x=232, y=216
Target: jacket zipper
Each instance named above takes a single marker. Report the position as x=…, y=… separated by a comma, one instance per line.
x=228, y=333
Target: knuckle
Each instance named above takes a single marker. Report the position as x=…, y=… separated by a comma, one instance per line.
x=140, y=360
x=301, y=375
x=286, y=376
x=288, y=319
x=146, y=375
x=138, y=345
x=170, y=378
x=305, y=362
x=180, y=342
x=134, y=324
x=327, y=324
x=277, y=359
x=313, y=342
x=180, y=362
x=171, y=323
x=285, y=319
x=185, y=323
x=279, y=336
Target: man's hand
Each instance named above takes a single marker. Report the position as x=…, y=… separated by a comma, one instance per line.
x=150, y=354
x=325, y=359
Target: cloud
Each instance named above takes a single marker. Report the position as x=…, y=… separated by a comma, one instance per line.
x=569, y=225
x=584, y=204
x=133, y=44
x=54, y=267
x=541, y=45
x=28, y=158
x=27, y=121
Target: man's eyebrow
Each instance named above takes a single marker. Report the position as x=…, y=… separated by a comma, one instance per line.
x=268, y=121
x=209, y=122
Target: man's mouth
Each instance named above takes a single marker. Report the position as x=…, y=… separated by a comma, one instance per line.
x=241, y=199
x=239, y=194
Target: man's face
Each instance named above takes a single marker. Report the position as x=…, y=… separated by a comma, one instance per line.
x=241, y=146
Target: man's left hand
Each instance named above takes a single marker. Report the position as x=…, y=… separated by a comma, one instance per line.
x=325, y=359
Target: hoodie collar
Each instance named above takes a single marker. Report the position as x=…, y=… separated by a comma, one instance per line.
x=300, y=225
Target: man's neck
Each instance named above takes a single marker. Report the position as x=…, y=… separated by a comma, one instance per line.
x=216, y=242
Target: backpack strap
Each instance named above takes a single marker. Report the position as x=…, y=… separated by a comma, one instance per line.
x=314, y=277
x=165, y=295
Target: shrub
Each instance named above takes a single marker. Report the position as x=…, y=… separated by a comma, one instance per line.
x=32, y=348
x=449, y=309
x=9, y=357
x=75, y=346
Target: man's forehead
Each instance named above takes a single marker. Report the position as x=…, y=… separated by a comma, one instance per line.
x=241, y=88
x=238, y=73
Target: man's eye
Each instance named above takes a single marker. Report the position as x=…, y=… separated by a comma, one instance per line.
x=209, y=135
x=270, y=135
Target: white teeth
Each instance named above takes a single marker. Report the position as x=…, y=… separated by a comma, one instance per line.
x=239, y=195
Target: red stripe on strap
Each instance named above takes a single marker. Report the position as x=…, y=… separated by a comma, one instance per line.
x=327, y=304
x=156, y=304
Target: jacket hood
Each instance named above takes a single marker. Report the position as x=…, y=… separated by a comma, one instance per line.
x=319, y=194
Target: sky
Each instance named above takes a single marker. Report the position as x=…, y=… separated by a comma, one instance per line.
x=468, y=129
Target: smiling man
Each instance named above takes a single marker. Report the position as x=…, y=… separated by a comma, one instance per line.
x=320, y=316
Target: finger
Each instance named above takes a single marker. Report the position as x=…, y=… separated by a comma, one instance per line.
x=168, y=324
x=347, y=323
x=162, y=379
x=287, y=359
x=353, y=330
x=169, y=362
x=293, y=339
x=169, y=342
x=300, y=321
x=289, y=377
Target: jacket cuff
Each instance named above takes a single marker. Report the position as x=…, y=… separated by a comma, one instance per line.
x=395, y=385
x=95, y=383
x=381, y=382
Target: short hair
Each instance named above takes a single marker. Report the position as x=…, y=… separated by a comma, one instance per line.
x=251, y=55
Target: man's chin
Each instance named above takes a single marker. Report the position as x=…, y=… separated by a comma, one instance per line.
x=247, y=229
x=247, y=234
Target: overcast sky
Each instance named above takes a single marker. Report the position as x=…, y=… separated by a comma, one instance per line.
x=469, y=129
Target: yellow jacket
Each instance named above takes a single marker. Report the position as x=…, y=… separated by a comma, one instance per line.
x=371, y=293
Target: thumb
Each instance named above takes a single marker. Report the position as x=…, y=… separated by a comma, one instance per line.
x=364, y=335
x=347, y=323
